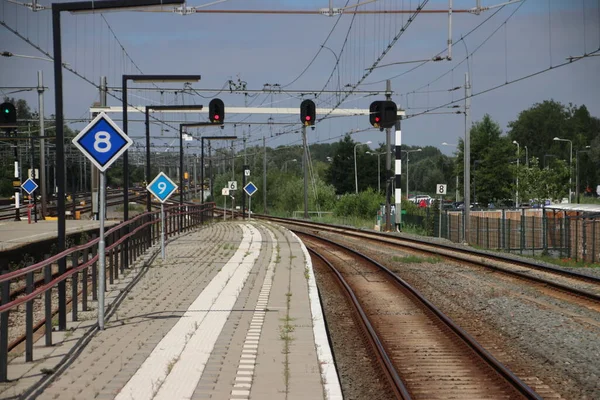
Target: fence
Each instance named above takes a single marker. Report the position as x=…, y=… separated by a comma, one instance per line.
x=524, y=231
x=78, y=265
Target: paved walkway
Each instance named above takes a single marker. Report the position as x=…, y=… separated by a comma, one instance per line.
x=232, y=313
x=15, y=234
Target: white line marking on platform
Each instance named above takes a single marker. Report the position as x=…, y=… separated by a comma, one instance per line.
x=191, y=353
x=331, y=383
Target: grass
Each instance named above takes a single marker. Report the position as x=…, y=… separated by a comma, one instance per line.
x=357, y=222
x=416, y=259
x=565, y=262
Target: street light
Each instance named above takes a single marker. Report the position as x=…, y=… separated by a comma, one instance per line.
x=378, y=169
x=570, y=163
x=147, y=112
x=518, y=155
x=57, y=8
x=141, y=79
x=577, y=170
x=407, y=154
x=284, y=167
x=355, y=172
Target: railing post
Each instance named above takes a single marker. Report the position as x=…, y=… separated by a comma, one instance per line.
x=487, y=228
x=29, y=320
x=74, y=285
x=576, y=238
x=84, y=281
x=48, y=303
x=112, y=270
x=5, y=293
x=94, y=272
x=594, y=225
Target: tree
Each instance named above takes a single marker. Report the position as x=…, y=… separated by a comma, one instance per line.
x=491, y=154
x=539, y=184
x=537, y=126
x=341, y=170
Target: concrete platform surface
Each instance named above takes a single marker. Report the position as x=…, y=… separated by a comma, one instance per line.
x=14, y=234
x=231, y=313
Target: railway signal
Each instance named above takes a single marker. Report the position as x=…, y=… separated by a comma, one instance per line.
x=383, y=114
x=216, y=111
x=308, y=112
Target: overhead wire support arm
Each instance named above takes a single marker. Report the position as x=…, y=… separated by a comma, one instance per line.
x=478, y=9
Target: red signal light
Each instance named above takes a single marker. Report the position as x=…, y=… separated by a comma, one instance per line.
x=377, y=119
x=216, y=117
x=307, y=118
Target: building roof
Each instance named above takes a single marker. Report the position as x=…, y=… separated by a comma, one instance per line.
x=586, y=208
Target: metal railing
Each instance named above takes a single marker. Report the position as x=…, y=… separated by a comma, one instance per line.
x=526, y=231
x=35, y=283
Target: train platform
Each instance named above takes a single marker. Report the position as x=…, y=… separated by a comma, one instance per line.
x=16, y=234
x=233, y=312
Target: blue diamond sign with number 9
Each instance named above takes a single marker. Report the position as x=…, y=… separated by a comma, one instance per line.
x=162, y=187
x=102, y=141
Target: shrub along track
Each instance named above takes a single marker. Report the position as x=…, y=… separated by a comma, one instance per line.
x=423, y=353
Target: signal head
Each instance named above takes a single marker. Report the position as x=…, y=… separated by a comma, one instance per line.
x=216, y=111
x=308, y=112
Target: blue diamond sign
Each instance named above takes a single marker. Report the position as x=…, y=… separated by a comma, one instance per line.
x=250, y=188
x=29, y=186
x=102, y=141
x=162, y=187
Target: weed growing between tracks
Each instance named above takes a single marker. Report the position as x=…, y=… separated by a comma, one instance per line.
x=416, y=259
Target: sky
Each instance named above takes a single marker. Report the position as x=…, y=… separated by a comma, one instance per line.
x=274, y=50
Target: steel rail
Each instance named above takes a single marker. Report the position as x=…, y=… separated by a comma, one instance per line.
x=393, y=376
x=470, y=341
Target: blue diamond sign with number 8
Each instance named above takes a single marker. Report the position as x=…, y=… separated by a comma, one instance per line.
x=102, y=141
x=162, y=187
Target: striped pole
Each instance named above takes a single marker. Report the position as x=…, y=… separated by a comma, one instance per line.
x=398, y=169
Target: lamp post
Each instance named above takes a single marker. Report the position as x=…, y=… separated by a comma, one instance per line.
x=570, y=163
x=577, y=171
x=57, y=8
x=378, y=168
x=147, y=113
x=407, y=154
x=526, y=157
x=518, y=155
x=355, y=171
x=284, y=167
x=454, y=145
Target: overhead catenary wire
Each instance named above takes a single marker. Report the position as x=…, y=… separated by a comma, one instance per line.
x=490, y=89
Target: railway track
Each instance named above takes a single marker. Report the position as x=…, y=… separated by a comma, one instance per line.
x=566, y=285
x=423, y=353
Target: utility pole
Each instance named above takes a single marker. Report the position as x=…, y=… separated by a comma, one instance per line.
x=398, y=169
x=467, y=159
x=243, y=193
x=43, y=188
x=17, y=184
x=95, y=189
x=232, y=161
x=304, y=166
x=264, y=176
x=388, y=164
x=210, y=172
